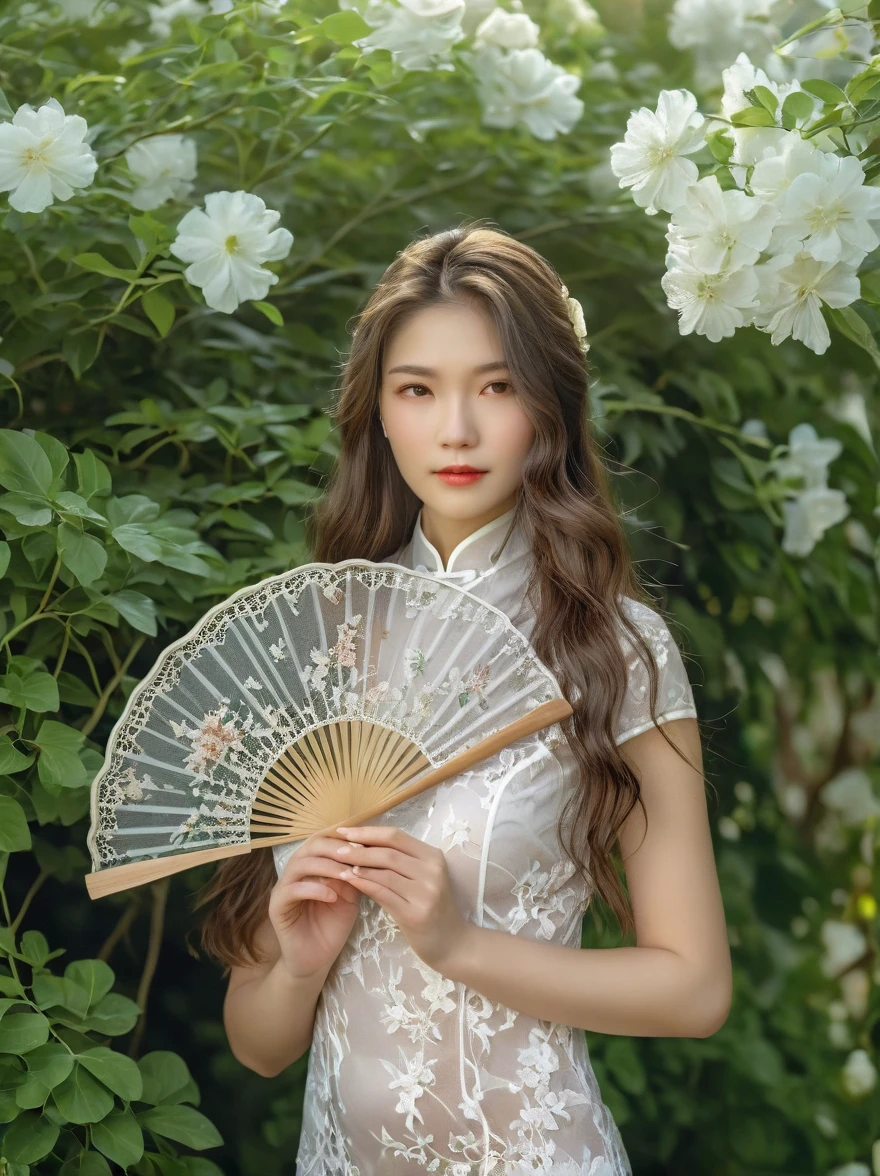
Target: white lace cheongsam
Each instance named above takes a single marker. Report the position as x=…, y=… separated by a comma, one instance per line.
x=411, y=1072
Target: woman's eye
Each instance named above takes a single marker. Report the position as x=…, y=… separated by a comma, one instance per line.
x=502, y=384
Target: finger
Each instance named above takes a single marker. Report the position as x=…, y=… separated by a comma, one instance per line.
x=391, y=883
x=380, y=857
x=300, y=891
x=386, y=898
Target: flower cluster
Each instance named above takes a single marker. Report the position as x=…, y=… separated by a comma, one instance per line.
x=815, y=506
x=516, y=83
x=776, y=231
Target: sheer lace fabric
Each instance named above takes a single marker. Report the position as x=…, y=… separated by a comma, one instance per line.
x=411, y=1072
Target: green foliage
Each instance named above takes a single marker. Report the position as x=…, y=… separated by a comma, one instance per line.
x=157, y=455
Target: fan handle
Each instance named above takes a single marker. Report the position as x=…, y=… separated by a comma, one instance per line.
x=116, y=878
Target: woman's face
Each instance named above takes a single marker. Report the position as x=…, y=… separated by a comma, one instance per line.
x=446, y=400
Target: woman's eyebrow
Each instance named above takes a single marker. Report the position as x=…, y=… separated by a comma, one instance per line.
x=418, y=370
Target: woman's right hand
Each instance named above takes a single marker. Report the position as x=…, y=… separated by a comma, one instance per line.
x=312, y=910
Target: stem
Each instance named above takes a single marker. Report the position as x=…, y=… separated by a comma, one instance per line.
x=123, y=923
x=157, y=925
x=90, y=723
x=28, y=898
x=53, y=578
x=62, y=652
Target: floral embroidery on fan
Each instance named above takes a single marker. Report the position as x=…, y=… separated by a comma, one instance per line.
x=213, y=738
x=414, y=663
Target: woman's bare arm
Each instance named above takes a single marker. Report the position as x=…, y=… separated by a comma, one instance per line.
x=268, y=1014
x=677, y=981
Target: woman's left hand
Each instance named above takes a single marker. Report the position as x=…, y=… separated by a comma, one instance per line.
x=410, y=880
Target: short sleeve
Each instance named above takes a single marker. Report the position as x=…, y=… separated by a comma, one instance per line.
x=675, y=699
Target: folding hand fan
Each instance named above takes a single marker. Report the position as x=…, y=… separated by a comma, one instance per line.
x=319, y=697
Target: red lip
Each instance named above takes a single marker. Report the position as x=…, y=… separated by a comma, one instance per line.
x=460, y=469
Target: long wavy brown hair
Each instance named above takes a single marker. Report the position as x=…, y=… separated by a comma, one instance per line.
x=582, y=564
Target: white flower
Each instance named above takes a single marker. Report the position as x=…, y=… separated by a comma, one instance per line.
x=844, y=944
x=576, y=315
x=227, y=244
x=418, y=33
x=717, y=28
x=829, y=212
x=164, y=166
x=43, y=156
x=523, y=86
x=809, y=516
x=711, y=304
x=721, y=229
x=751, y=144
x=720, y=25
x=163, y=15
x=742, y=75
x=508, y=30
x=579, y=16
x=791, y=155
x=859, y=1073
x=791, y=293
x=650, y=160
x=809, y=456
x=851, y=794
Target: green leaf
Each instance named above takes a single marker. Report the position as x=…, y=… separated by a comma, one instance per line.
x=11, y=759
x=119, y=1137
x=27, y=509
x=82, y=1098
x=34, y=946
x=48, y=1066
x=139, y=610
x=81, y=554
x=97, y=264
x=764, y=97
x=138, y=540
x=753, y=116
x=59, y=765
x=75, y=691
x=721, y=145
x=21, y=1032
x=796, y=107
x=14, y=831
x=29, y=1138
x=851, y=324
x=116, y=1070
x=114, y=1015
x=30, y=687
x=38, y=549
x=56, y=992
x=182, y=1124
x=159, y=311
x=24, y=466
x=93, y=477
x=95, y=976
x=341, y=27
x=67, y=502
x=5, y=552
x=166, y=1078
x=824, y=91
x=87, y=1163
x=272, y=313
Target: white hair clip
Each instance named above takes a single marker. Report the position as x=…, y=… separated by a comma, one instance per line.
x=576, y=314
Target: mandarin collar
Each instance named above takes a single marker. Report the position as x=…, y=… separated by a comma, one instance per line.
x=478, y=554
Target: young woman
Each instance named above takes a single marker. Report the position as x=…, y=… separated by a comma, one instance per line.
x=432, y=960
